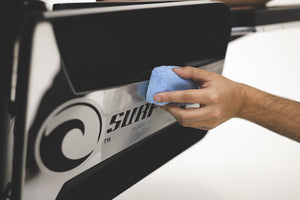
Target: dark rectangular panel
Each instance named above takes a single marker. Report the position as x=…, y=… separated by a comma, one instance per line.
x=265, y=16
x=115, y=48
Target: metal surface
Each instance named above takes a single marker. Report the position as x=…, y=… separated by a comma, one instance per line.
x=277, y=26
x=245, y=21
x=84, y=11
x=241, y=31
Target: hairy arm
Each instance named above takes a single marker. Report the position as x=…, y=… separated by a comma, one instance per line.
x=275, y=113
x=222, y=99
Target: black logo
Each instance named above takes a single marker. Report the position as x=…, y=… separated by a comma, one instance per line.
x=134, y=115
x=68, y=136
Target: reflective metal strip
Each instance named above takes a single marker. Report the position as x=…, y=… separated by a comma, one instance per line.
x=85, y=11
x=277, y=26
x=14, y=73
x=240, y=31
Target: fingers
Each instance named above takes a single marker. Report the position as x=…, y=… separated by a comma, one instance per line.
x=193, y=73
x=184, y=96
x=201, y=118
x=189, y=96
x=185, y=115
x=218, y=95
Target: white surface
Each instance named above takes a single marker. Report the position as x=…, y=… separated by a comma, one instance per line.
x=283, y=2
x=239, y=160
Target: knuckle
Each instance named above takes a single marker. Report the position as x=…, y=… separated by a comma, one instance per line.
x=217, y=114
x=215, y=98
x=186, y=98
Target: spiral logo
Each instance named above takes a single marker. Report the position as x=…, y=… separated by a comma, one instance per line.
x=68, y=136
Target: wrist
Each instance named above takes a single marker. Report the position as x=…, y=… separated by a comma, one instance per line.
x=247, y=98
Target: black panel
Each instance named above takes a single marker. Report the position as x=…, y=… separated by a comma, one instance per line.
x=6, y=52
x=113, y=176
x=277, y=15
x=5, y=63
x=265, y=16
x=8, y=24
x=115, y=48
x=242, y=18
x=21, y=100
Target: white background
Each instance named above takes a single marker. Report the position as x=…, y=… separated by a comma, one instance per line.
x=240, y=160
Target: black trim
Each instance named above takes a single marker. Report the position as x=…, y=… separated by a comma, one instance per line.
x=114, y=175
x=15, y=14
x=265, y=16
x=21, y=102
x=107, y=49
x=277, y=15
x=9, y=23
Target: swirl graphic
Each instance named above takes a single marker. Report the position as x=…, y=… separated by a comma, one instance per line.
x=68, y=136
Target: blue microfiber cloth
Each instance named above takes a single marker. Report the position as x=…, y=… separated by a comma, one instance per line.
x=163, y=79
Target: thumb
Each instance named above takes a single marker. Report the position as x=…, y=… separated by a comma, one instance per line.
x=196, y=74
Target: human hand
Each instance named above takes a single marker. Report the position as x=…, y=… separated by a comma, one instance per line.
x=219, y=97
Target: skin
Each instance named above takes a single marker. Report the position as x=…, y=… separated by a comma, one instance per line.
x=222, y=99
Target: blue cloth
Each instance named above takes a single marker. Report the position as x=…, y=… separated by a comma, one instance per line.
x=163, y=79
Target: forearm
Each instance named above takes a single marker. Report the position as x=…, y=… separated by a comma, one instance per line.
x=275, y=113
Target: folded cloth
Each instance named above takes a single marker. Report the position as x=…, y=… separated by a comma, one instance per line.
x=163, y=79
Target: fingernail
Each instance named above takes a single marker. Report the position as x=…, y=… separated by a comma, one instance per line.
x=157, y=98
x=177, y=69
